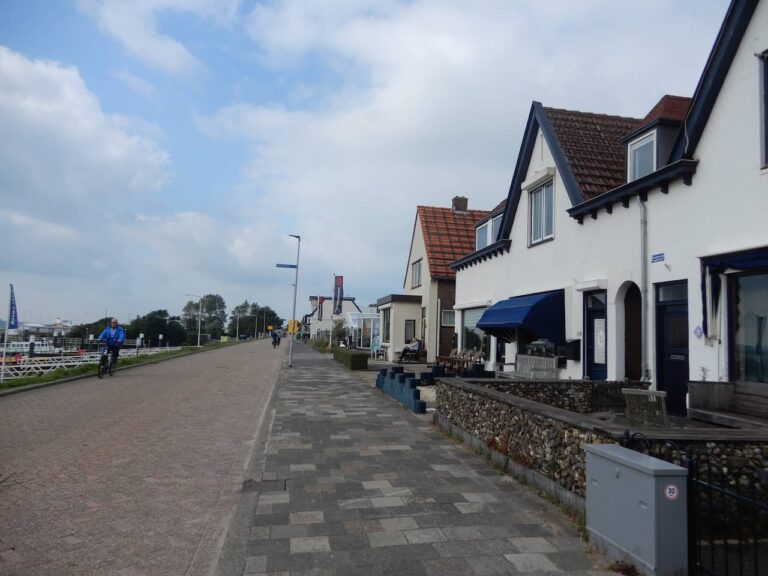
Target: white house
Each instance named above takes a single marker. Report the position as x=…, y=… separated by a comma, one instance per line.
x=640, y=248
x=425, y=309
x=322, y=318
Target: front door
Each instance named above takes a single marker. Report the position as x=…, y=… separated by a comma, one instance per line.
x=672, y=344
x=597, y=335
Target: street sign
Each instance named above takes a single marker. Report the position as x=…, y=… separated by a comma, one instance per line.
x=286, y=265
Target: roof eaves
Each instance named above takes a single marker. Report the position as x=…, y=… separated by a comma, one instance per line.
x=719, y=62
x=498, y=247
x=682, y=169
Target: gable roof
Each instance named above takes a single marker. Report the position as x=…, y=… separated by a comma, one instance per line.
x=668, y=108
x=448, y=235
x=593, y=148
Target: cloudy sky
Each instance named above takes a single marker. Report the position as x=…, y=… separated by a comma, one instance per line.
x=154, y=148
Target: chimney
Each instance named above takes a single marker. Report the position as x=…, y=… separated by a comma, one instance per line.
x=459, y=204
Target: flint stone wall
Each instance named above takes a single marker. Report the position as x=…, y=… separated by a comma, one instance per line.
x=548, y=441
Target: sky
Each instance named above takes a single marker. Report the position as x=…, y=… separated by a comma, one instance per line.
x=153, y=149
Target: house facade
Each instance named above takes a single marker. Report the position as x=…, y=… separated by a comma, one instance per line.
x=425, y=309
x=639, y=248
x=320, y=321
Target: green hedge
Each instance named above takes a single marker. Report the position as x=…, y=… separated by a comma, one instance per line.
x=352, y=359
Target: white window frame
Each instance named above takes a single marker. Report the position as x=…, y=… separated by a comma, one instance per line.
x=448, y=314
x=416, y=274
x=542, y=216
x=481, y=236
x=639, y=143
x=764, y=108
x=495, y=225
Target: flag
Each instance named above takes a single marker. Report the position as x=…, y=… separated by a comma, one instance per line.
x=13, y=316
x=338, y=294
x=321, y=301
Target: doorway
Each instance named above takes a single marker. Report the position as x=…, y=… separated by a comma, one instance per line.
x=595, y=317
x=672, y=344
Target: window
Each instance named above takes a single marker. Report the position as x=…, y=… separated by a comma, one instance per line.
x=481, y=236
x=495, y=227
x=474, y=338
x=748, y=319
x=449, y=318
x=410, y=330
x=642, y=157
x=542, y=213
x=416, y=274
x=385, y=322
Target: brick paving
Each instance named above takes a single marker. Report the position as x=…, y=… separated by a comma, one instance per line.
x=350, y=483
x=132, y=475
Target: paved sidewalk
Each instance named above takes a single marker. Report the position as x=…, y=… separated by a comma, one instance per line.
x=350, y=483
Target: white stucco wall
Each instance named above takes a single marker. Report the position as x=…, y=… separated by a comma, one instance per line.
x=326, y=324
x=725, y=209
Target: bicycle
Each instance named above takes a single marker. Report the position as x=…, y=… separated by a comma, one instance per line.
x=107, y=363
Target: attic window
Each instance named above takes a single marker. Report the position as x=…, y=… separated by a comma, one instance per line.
x=641, y=156
x=495, y=227
x=481, y=236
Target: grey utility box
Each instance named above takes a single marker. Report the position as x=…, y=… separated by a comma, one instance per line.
x=637, y=509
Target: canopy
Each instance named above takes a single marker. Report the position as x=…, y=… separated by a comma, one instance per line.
x=542, y=313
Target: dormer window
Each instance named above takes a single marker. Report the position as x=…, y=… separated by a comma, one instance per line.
x=481, y=236
x=495, y=227
x=641, y=156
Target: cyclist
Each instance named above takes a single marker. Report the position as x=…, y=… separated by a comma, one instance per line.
x=114, y=336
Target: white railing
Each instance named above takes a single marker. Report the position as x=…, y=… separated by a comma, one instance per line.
x=43, y=364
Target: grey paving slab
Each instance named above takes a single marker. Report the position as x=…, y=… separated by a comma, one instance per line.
x=373, y=489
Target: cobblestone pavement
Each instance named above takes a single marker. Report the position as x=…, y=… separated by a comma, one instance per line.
x=350, y=483
x=135, y=474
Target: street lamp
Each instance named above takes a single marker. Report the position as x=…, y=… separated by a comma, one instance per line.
x=295, y=287
x=199, y=316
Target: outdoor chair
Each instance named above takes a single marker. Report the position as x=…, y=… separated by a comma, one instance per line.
x=646, y=407
x=409, y=355
x=446, y=360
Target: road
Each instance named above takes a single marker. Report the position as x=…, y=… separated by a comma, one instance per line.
x=135, y=474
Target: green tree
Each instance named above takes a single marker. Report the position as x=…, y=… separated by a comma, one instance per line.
x=214, y=315
x=240, y=320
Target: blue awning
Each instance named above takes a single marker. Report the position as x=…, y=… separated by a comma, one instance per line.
x=543, y=314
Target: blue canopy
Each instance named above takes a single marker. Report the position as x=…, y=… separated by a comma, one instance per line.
x=542, y=313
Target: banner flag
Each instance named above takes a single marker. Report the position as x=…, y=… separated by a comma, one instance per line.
x=13, y=316
x=321, y=301
x=338, y=294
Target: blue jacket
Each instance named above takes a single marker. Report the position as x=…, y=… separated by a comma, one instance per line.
x=112, y=336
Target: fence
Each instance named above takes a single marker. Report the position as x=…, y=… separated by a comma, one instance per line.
x=43, y=364
x=727, y=523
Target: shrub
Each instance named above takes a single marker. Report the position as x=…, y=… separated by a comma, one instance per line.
x=352, y=359
x=320, y=345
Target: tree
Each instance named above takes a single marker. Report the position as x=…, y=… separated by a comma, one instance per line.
x=155, y=323
x=240, y=320
x=214, y=315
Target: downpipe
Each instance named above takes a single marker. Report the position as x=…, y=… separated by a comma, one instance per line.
x=644, y=372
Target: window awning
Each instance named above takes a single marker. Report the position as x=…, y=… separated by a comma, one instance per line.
x=543, y=314
x=711, y=269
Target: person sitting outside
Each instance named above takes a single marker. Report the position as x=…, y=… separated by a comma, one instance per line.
x=114, y=336
x=411, y=351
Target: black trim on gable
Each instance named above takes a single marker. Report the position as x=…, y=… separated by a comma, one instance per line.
x=537, y=118
x=684, y=169
x=727, y=43
x=498, y=247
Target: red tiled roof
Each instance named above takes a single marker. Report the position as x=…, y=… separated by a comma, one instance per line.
x=668, y=108
x=448, y=236
x=593, y=148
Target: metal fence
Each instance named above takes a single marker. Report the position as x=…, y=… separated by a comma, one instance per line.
x=40, y=365
x=727, y=522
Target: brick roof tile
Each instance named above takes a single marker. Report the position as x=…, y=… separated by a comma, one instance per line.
x=448, y=236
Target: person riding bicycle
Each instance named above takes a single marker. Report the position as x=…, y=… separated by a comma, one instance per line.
x=114, y=336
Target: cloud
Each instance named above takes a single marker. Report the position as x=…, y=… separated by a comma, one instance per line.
x=416, y=102
x=138, y=85
x=134, y=25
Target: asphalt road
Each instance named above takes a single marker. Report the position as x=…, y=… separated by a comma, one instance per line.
x=135, y=474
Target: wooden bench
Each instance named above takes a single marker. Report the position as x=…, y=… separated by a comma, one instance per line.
x=646, y=407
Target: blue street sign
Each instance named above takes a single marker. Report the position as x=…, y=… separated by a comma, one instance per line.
x=286, y=265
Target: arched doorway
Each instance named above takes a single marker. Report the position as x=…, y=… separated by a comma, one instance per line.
x=632, y=333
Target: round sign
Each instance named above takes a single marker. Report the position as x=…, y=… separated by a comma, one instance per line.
x=671, y=492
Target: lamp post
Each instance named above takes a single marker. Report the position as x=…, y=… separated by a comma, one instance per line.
x=199, y=316
x=295, y=287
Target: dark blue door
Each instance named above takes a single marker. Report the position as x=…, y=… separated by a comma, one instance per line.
x=672, y=344
x=597, y=336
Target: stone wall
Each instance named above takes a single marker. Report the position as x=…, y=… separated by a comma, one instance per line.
x=549, y=440
x=582, y=396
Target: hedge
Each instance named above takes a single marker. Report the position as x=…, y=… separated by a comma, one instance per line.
x=352, y=359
